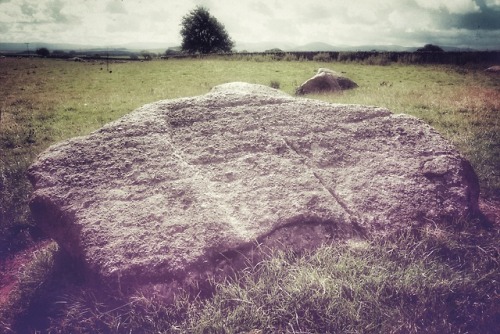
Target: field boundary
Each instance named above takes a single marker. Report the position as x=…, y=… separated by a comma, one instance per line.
x=407, y=57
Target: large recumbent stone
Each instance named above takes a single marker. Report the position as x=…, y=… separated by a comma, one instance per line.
x=163, y=190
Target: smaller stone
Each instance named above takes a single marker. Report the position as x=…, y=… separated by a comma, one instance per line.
x=325, y=80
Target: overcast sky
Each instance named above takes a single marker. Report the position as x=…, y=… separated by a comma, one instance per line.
x=470, y=23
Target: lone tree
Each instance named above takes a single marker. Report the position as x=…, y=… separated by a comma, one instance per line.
x=43, y=52
x=203, y=33
x=430, y=48
x=147, y=55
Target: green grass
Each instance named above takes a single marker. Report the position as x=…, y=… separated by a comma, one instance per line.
x=434, y=280
x=376, y=287
x=403, y=285
x=34, y=277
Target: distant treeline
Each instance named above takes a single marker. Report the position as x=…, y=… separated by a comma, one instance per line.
x=364, y=57
x=371, y=57
x=86, y=54
x=455, y=58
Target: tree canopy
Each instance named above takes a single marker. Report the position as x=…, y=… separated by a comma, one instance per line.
x=203, y=33
x=44, y=52
x=430, y=48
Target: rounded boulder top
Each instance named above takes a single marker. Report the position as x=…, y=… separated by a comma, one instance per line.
x=246, y=88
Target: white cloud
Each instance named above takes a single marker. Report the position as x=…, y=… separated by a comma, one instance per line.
x=261, y=8
x=116, y=7
x=111, y=22
x=10, y=13
x=495, y=4
x=452, y=6
x=410, y=21
x=29, y=9
x=359, y=11
x=54, y=11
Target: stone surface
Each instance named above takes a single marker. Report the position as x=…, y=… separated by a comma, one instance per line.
x=325, y=80
x=164, y=191
x=493, y=69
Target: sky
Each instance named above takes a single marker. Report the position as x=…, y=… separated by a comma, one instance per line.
x=461, y=23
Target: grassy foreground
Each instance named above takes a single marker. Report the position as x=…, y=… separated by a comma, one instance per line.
x=445, y=280
x=435, y=280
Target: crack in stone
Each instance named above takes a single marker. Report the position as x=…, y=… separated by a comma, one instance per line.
x=354, y=217
x=219, y=201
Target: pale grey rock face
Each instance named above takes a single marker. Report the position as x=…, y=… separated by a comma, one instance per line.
x=325, y=81
x=493, y=69
x=163, y=191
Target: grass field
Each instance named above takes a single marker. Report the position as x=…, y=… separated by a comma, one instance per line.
x=46, y=101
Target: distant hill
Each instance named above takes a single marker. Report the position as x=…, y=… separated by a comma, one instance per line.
x=315, y=46
x=263, y=46
x=250, y=47
x=153, y=47
x=455, y=49
x=21, y=47
x=319, y=46
x=324, y=47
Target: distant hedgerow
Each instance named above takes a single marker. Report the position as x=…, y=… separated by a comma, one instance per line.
x=275, y=84
x=322, y=57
